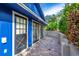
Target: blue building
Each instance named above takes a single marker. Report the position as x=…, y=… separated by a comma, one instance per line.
x=21, y=25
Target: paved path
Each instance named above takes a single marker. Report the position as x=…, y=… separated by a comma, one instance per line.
x=74, y=51
x=53, y=44
x=49, y=46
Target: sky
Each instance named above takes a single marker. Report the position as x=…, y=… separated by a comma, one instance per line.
x=51, y=8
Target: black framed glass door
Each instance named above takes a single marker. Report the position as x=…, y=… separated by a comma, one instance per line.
x=35, y=32
x=21, y=33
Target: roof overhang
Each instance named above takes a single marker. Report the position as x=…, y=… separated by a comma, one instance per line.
x=22, y=8
x=30, y=11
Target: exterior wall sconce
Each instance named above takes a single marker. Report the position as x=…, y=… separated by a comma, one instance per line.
x=4, y=40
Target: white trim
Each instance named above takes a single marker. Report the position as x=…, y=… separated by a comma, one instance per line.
x=32, y=32
x=16, y=13
x=13, y=30
x=27, y=32
x=38, y=30
x=36, y=22
x=13, y=33
x=29, y=10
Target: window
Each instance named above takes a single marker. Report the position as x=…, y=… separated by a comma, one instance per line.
x=35, y=32
x=21, y=33
x=20, y=25
x=40, y=31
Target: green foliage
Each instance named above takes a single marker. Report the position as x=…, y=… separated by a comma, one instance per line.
x=63, y=14
x=69, y=8
x=63, y=25
x=52, y=24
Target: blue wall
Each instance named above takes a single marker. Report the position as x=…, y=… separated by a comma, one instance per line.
x=32, y=7
x=6, y=24
x=39, y=11
x=5, y=30
x=29, y=32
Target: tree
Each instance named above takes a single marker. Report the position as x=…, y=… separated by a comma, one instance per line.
x=52, y=24
x=71, y=12
x=63, y=25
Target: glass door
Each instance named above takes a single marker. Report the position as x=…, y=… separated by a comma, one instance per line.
x=21, y=33
x=35, y=32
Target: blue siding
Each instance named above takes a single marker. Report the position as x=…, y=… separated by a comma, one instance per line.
x=29, y=32
x=19, y=9
x=33, y=8
x=5, y=31
x=36, y=11
x=39, y=11
x=6, y=24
